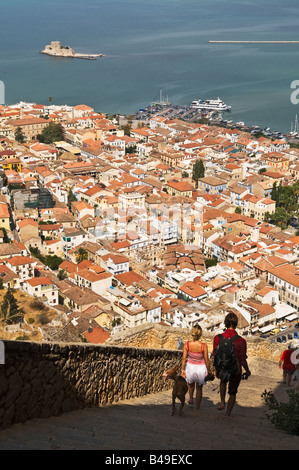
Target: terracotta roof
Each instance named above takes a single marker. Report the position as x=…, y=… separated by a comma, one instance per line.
x=128, y=278
x=180, y=185
x=28, y=121
x=287, y=273
x=97, y=335
x=192, y=289
x=4, y=212
x=38, y=281
x=20, y=260
x=116, y=259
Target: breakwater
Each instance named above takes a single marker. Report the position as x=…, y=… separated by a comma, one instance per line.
x=254, y=42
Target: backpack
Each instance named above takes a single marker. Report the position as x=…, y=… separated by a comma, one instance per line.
x=225, y=360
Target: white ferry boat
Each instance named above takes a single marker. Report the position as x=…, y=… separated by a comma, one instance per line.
x=217, y=105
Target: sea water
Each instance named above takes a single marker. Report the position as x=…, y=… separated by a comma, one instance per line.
x=152, y=46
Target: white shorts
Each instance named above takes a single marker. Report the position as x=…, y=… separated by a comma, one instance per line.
x=196, y=373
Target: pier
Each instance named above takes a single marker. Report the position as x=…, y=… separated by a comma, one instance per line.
x=254, y=42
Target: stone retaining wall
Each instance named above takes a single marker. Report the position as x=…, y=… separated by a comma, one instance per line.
x=40, y=380
x=161, y=337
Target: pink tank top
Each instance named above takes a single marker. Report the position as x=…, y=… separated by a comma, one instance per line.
x=195, y=357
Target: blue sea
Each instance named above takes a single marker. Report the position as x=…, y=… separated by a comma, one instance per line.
x=152, y=46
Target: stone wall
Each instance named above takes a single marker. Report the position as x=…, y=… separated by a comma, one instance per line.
x=40, y=380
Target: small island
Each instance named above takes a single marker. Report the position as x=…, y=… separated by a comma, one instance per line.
x=57, y=50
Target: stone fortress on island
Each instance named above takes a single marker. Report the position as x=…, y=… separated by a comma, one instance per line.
x=56, y=49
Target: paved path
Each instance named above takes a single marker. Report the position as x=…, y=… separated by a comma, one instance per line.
x=146, y=424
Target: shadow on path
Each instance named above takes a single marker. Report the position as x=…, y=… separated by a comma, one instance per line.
x=145, y=423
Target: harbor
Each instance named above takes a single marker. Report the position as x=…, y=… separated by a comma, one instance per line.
x=194, y=112
x=170, y=111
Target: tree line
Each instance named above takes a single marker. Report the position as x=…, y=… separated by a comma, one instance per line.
x=286, y=198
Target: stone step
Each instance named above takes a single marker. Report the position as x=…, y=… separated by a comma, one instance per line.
x=145, y=423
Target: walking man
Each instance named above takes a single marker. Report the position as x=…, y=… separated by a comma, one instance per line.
x=230, y=356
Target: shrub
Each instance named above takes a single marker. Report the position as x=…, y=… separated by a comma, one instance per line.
x=37, y=304
x=284, y=416
x=43, y=318
x=23, y=338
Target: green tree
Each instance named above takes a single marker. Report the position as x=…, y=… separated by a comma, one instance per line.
x=53, y=261
x=281, y=217
x=5, y=237
x=274, y=192
x=286, y=196
x=238, y=210
x=4, y=178
x=70, y=198
x=62, y=275
x=198, y=171
x=19, y=135
x=10, y=311
x=211, y=262
x=127, y=128
x=81, y=255
x=131, y=149
x=51, y=133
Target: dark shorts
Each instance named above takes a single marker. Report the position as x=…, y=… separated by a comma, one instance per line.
x=233, y=384
x=288, y=371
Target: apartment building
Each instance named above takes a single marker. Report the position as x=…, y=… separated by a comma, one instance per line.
x=179, y=188
x=23, y=266
x=42, y=288
x=115, y=264
x=135, y=311
x=31, y=126
x=98, y=282
x=286, y=280
x=72, y=238
x=211, y=185
x=257, y=206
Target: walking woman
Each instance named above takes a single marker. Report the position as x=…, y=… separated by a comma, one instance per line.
x=195, y=352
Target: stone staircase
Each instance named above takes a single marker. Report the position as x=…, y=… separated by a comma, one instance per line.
x=145, y=423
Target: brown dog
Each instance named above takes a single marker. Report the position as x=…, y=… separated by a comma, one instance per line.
x=180, y=387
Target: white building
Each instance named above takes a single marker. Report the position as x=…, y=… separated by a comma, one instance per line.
x=72, y=238
x=42, y=288
x=23, y=266
x=115, y=264
x=98, y=282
